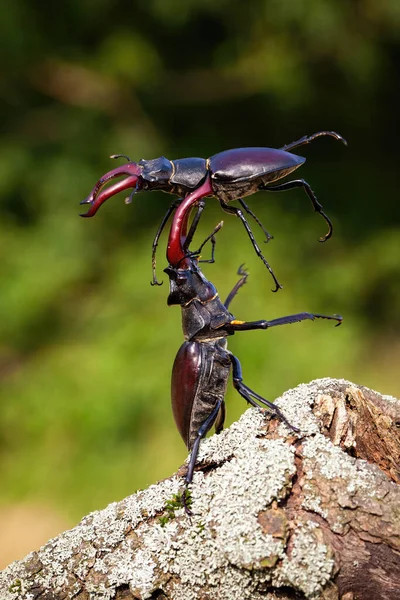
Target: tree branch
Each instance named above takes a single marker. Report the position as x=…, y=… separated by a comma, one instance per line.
x=275, y=515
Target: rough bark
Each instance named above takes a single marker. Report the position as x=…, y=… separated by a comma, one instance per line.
x=276, y=516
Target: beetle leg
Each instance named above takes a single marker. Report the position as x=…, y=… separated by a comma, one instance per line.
x=236, y=211
x=297, y=318
x=194, y=224
x=220, y=420
x=203, y=429
x=306, y=139
x=244, y=275
x=211, y=238
x=213, y=241
x=289, y=185
x=251, y=396
x=167, y=215
x=268, y=236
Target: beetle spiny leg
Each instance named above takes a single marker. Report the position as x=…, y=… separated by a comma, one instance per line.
x=306, y=139
x=295, y=183
x=246, y=207
x=236, y=211
x=167, y=215
x=194, y=224
x=211, y=238
x=251, y=396
x=243, y=279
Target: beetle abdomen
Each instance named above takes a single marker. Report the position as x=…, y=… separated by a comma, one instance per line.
x=199, y=378
x=241, y=171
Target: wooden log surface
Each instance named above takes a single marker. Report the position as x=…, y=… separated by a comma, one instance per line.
x=276, y=515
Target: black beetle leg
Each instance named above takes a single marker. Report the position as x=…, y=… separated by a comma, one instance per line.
x=211, y=238
x=167, y=215
x=306, y=139
x=289, y=185
x=244, y=275
x=203, y=429
x=246, y=207
x=297, y=318
x=193, y=226
x=236, y=211
x=251, y=396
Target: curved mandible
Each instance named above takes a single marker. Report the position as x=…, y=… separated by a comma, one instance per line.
x=97, y=196
x=176, y=251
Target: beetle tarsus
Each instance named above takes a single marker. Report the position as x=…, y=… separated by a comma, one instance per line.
x=156, y=282
x=306, y=139
x=184, y=499
x=329, y=222
x=288, y=320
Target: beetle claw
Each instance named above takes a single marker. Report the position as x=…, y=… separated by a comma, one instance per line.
x=339, y=319
x=185, y=505
x=339, y=137
x=326, y=237
x=278, y=287
x=330, y=226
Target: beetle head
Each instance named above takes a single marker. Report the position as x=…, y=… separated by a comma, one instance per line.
x=186, y=285
x=98, y=195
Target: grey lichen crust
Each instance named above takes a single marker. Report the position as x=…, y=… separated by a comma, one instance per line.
x=236, y=544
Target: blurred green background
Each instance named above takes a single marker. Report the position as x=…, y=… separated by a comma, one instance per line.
x=86, y=345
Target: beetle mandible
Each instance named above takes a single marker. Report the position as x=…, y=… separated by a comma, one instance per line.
x=203, y=364
x=229, y=175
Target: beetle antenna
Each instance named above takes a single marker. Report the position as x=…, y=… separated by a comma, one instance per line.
x=115, y=156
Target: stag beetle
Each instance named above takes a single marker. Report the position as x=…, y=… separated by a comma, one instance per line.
x=229, y=175
x=203, y=363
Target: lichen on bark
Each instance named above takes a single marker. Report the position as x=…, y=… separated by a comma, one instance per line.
x=275, y=515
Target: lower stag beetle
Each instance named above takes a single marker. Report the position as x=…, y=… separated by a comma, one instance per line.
x=203, y=363
x=229, y=175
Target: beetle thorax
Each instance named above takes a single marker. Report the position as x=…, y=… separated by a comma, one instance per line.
x=188, y=285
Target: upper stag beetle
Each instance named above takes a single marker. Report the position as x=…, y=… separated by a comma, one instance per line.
x=229, y=175
x=203, y=363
